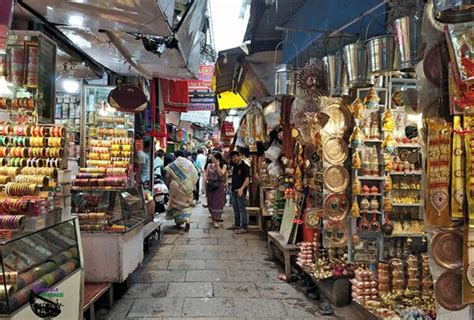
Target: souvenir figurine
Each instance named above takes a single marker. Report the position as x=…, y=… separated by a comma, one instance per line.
x=357, y=137
x=387, y=121
x=372, y=99
x=389, y=144
x=357, y=109
x=355, y=210
x=356, y=161
x=374, y=127
x=356, y=186
x=388, y=163
x=374, y=204
x=388, y=184
x=364, y=203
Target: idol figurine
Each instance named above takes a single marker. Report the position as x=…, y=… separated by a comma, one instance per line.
x=372, y=99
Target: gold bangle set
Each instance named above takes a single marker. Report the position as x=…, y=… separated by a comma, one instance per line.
x=14, y=189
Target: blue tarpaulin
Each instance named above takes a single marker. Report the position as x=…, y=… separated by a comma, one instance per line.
x=331, y=15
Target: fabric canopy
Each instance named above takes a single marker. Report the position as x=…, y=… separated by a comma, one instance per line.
x=230, y=100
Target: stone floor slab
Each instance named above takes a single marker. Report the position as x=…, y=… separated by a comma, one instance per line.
x=271, y=308
x=186, y=265
x=119, y=310
x=196, y=241
x=246, y=276
x=235, y=290
x=163, y=307
x=259, y=265
x=213, y=307
x=197, y=255
x=235, y=256
x=162, y=276
x=188, y=247
x=224, y=265
x=156, y=265
x=190, y=290
x=147, y=290
x=278, y=291
x=300, y=308
x=233, y=241
x=205, y=275
x=168, y=255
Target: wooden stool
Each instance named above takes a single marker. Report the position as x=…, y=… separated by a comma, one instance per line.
x=257, y=213
x=275, y=239
x=92, y=292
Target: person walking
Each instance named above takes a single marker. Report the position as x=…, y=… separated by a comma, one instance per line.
x=181, y=176
x=215, y=184
x=240, y=182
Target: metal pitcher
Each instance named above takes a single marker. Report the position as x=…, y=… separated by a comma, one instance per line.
x=285, y=80
x=285, y=74
x=355, y=58
x=336, y=75
x=381, y=55
x=408, y=40
x=454, y=11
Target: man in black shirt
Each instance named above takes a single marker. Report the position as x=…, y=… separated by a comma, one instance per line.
x=240, y=182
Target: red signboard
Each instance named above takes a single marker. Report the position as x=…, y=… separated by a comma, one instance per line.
x=6, y=14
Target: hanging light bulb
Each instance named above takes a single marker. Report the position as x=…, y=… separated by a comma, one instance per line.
x=70, y=85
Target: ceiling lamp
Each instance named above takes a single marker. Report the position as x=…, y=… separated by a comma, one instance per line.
x=69, y=83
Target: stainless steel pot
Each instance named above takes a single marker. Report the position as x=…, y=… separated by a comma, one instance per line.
x=381, y=55
x=285, y=80
x=355, y=58
x=454, y=11
x=336, y=76
x=409, y=44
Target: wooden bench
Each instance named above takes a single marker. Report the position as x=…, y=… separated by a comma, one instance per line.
x=275, y=239
x=257, y=213
x=92, y=292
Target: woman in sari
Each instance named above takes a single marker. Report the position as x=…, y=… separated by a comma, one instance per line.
x=216, y=183
x=181, y=176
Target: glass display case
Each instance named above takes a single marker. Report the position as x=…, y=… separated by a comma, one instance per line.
x=109, y=211
x=34, y=263
x=107, y=140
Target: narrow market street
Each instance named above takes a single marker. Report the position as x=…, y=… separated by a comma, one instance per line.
x=211, y=273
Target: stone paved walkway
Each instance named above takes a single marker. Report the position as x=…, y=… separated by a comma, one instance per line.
x=210, y=273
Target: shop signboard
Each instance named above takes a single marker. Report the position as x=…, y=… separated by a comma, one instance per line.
x=201, y=97
x=201, y=117
x=6, y=14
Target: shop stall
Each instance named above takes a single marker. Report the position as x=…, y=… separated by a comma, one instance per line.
x=369, y=169
x=111, y=211
x=40, y=244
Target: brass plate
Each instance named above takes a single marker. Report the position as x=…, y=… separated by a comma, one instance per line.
x=447, y=249
x=312, y=219
x=336, y=206
x=337, y=123
x=448, y=291
x=470, y=274
x=335, y=151
x=336, y=178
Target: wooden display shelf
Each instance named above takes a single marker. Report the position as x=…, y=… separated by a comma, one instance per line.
x=92, y=293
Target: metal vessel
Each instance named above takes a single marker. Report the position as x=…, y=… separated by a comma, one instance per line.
x=336, y=75
x=355, y=58
x=381, y=55
x=454, y=11
x=409, y=43
x=285, y=80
